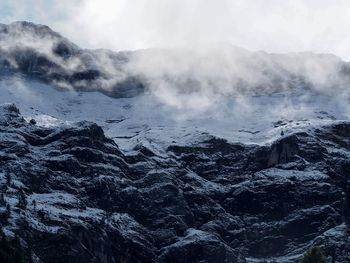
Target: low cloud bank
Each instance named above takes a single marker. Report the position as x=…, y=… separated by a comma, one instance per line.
x=191, y=80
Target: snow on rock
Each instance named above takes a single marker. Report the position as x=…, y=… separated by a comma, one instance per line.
x=210, y=200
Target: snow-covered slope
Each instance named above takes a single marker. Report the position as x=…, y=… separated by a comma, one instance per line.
x=170, y=95
x=147, y=119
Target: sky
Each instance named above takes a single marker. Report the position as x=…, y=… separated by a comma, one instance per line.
x=270, y=25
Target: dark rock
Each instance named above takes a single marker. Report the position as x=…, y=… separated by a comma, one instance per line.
x=32, y=121
x=210, y=202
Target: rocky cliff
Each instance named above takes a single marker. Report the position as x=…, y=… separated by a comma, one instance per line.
x=72, y=195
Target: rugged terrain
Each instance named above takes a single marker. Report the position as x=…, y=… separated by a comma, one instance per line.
x=259, y=179
x=73, y=195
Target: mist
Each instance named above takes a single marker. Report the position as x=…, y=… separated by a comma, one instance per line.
x=194, y=55
x=272, y=26
x=191, y=80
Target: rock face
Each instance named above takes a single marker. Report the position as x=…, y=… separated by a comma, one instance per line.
x=72, y=195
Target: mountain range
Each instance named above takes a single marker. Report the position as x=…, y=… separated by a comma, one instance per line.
x=209, y=154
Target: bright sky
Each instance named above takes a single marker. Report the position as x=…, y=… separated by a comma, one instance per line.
x=270, y=25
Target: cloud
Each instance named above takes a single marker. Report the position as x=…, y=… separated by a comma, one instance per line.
x=193, y=79
x=201, y=74
x=272, y=25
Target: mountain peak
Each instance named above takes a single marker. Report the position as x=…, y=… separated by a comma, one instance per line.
x=29, y=27
x=25, y=34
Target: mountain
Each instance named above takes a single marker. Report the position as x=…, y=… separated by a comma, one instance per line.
x=38, y=52
x=217, y=154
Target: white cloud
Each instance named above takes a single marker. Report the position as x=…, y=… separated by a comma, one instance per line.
x=193, y=81
x=271, y=25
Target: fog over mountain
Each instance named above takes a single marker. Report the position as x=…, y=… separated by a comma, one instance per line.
x=203, y=73
x=209, y=153
x=272, y=26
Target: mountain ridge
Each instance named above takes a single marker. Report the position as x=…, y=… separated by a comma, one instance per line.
x=56, y=60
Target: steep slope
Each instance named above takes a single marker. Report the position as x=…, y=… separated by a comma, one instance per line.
x=148, y=120
x=72, y=195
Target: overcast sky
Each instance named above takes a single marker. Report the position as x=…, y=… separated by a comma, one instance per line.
x=270, y=25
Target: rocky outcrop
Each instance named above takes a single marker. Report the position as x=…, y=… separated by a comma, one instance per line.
x=72, y=195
